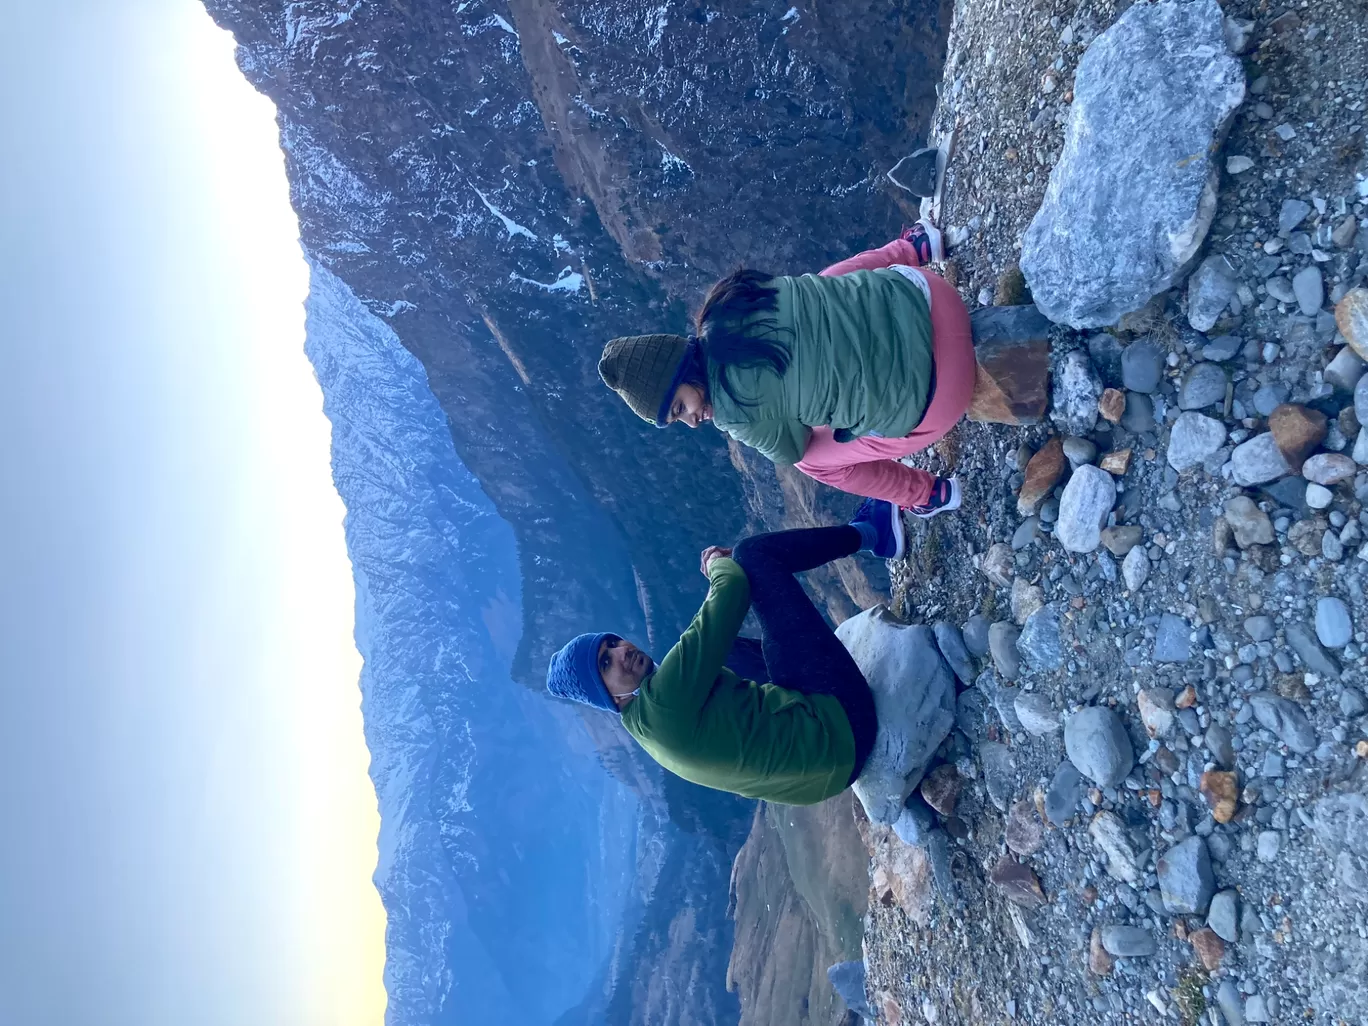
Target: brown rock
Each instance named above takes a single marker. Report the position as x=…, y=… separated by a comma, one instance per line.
x=1209, y=947
x=1024, y=833
x=1293, y=688
x=1099, y=962
x=1117, y=463
x=1012, y=379
x=1351, y=317
x=1222, y=535
x=1019, y=883
x=940, y=789
x=1043, y=472
x=1112, y=405
x=1349, y=423
x=888, y=1005
x=1297, y=430
x=1156, y=711
x=1220, y=789
x=998, y=566
x=1305, y=536
x=1120, y=540
x=1186, y=699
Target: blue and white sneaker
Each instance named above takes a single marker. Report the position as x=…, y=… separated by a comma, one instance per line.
x=886, y=519
x=945, y=496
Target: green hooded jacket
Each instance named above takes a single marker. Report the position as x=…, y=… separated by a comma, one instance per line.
x=701, y=721
x=861, y=364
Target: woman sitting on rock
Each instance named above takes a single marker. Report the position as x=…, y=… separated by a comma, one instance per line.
x=839, y=374
x=799, y=737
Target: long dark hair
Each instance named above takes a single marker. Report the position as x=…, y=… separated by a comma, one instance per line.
x=736, y=327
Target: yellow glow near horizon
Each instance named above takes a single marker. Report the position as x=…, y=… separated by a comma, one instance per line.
x=330, y=910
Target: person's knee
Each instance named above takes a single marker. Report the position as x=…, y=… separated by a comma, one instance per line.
x=746, y=552
x=834, y=476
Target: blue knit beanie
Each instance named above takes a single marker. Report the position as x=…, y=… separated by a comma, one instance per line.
x=573, y=673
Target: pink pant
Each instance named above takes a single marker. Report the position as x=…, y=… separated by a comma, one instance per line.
x=869, y=466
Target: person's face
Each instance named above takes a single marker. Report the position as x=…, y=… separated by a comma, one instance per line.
x=689, y=406
x=623, y=666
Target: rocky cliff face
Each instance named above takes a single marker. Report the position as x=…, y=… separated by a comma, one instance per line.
x=510, y=184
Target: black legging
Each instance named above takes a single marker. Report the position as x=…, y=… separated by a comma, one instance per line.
x=801, y=652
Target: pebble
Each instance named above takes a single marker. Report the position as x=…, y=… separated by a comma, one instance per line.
x=1285, y=719
x=1026, y=533
x=1256, y=1008
x=1258, y=461
x=914, y=822
x=1171, y=644
x=1079, y=451
x=975, y=635
x=1269, y=398
x=1024, y=833
x=1083, y=508
x=999, y=773
x=1344, y=371
x=1098, y=745
x=1309, y=287
x=1308, y=649
x=1259, y=627
x=1142, y=367
x=1135, y=569
x=1223, y=916
x=1250, y=524
x=1329, y=468
x=1061, y=798
x=1360, y=401
x=1352, y=704
x=1109, y=834
x=1293, y=213
x=1220, y=744
x=1036, y=714
x=1318, y=496
x=1128, y=941
x=1238, y=165
x=1139, y=416
x=1334, y=627
x=1194, y=437
x=1269, y=843
x=1040, y=643
x=1228, y=1000
x=1281, y=290
x=1002, y=638
x=1203, y=385
x=1186, y=881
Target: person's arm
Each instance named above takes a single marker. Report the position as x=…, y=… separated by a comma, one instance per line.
x=685, y=676
x=782, y=441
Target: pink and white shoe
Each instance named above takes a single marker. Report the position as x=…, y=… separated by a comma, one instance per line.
x=945, y=496
x=926, y=239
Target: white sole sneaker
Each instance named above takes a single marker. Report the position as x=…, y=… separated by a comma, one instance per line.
x=933, y=236
x=952, y=503
x=899, y=533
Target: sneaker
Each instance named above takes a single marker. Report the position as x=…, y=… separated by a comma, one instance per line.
x=926, y=239
x=945, y=496
x=887, y=520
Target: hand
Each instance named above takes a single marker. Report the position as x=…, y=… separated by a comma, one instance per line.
x=709, y=554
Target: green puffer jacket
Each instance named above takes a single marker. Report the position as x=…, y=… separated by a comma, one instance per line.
x=861, y=364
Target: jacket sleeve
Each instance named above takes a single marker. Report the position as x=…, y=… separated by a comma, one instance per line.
x=782, y=440
x=685, y=676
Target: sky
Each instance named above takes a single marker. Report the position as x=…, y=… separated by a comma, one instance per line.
x=188, y=827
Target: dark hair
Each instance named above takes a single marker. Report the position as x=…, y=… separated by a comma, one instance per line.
x=736, y=327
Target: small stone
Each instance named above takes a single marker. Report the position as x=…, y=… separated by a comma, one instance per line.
x=1222, y=917
x=1258, y=460
x=1043, y=472
x=1019, y=883
x=1099, y=962
x=1194, y=437
x=1352, y=704
x=1120, y=540
x=1040, y=643
x=1002, y=638
x=1286, y=720
x=976, y=635
x=1079, y=451
x=1298, y=431
x=1228, y=1000
x=1109, y=834
x=1329, y=468
x=1203, y=385
x=1157, y=711
x=1061, y=797
x=1036, y=715
x=1135, y=569
x=1269, y=398
x=1186, y=882
x=1024, y=833
x=1280, y=288
x=1351, y=317
x=1344, y=232
x=1305, y=536
x=1269, y=843
x=1139, y=415
x=1083, y=509
x=1256, y=1009
x=1238, y=165
x=1293, y=213
x=1249, y=524
x=1117, y=463
x=1318, y=496
x=1343, y=372
x=1221, y=791
x=1259, y=628
x=1334, y=627
x=1077, y=389
x=998, y=565
x=1112, y=405
x=1210, y=949
x=1142, y=367
x=914, y=822
x=1308, y=285
x=1187, y=698
x=1171, y=644
x=1210, y=289
x=940, y=789
x=1097, y=744
x=1220, y=744
x=1128, y=941
x=1361, y=400
x=999, y=773
x=1360, y=453
x=951, y=644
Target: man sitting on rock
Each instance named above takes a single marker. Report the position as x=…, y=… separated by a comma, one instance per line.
x=798, y=738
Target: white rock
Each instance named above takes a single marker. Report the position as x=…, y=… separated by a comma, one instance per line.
x=1318, y=496
x=1083, y=508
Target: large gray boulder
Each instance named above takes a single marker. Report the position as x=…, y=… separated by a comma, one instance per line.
x=914, y=696
x=1131, y=198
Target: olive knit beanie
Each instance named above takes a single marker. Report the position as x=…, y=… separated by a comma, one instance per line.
x=643, y=370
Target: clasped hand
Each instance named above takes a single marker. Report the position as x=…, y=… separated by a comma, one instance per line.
x=709, y=554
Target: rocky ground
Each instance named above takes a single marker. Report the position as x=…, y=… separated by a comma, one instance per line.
x=1156, y=799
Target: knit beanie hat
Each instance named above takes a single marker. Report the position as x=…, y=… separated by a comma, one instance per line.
x=573, y=673
x=644, y=369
